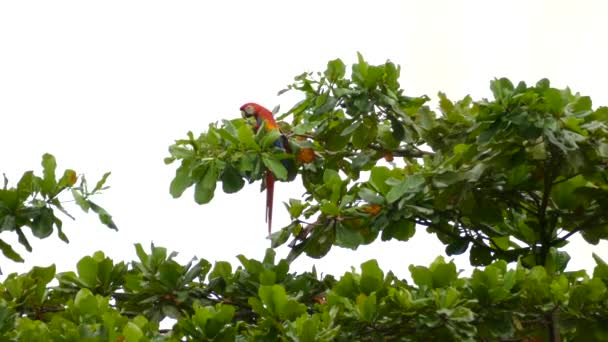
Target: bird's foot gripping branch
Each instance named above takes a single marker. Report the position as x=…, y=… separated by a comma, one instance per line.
x=494, y=177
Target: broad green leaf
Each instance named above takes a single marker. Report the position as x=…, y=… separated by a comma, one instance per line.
x=596, y=290
x=479, y=256
x=231, y=180
x=132, y=332
x=329, y=208
x=562, y=193
x=553, y=98
x=205, y=187
x=409, y=184
x=222, y=269
x=274, y=298
x=49, y=182
x=367, y=306
x=335, y=70
x=445, y=179
x=365, y=134
x=457, y=247
x=87, y=271
x=502, y=89
x=247, y=137
x=25, y=186
x=372, y=277
x=42, y=225
x=169, y=273
x=270, y=138
x=182, y=180
x=402, y=230
x=86, y=302
x=462, y=314
x=444, y=274
x=378, y=177
x=422, y=276
x=347, y=237
x=277, y=168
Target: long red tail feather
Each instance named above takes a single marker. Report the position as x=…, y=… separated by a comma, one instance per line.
x=269, y=198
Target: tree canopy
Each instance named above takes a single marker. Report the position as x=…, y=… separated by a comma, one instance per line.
x=507, y=180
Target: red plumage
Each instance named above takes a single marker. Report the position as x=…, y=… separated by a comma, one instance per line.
x=263, y=115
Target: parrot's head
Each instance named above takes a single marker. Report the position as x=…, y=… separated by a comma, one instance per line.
x=250, y=109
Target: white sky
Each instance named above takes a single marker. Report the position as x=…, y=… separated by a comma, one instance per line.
x=109, y=85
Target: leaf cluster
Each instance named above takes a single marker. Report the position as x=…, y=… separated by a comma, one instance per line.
x=507, y=178
x=34, y=202
x=263, y=301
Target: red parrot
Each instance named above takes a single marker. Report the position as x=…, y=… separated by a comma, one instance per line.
x=264, y=116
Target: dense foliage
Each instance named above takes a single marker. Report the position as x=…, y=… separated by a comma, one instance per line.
x=509, y=180
x=262, y=300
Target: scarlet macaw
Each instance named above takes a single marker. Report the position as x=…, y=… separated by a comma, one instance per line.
x=264, y=116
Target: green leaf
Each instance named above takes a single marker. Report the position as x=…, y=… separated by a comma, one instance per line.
x=101, y=182
x=502, y=89
x=553, y=98
x=205, y=187
x=422, y=276
x=334, y=140
x=596, y=290
x=397, y=129
x=270, y=138
x=378, y=177
x=347, y=237
x=274, y=298
x=365, y=134
x=49, y=182
x=457, y=247
x=372, y=277
x=169, y=273
x=87, y=271
x=182, y=180
x=335, y=70
x=562, y=193
x=25, y=186
x=222, y=269
x=132, y=332
x=80, y=200
x=409, y=184
x=444, y=274
x=402, y=230
x=9, y=252
x=276, y=167
x=247, y=137
x=295, y=207
x=462, y=314
x=104, y=216
x=42, y=225
x=329, y=208
x=445, y=179
x=366, y=306
x=231, y=180
x=86, y=302
x=226, y=135
x=480, y=256
x=68, y=179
